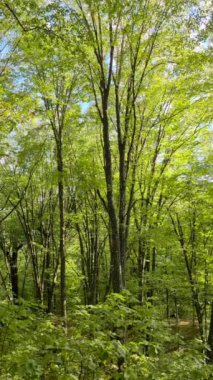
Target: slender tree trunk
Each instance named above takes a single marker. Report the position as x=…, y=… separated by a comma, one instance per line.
x=14, y=275
x=38, y=290
x=61, y=227
x=13, y=264
x=12, y=259
x=210, y=338
x=167, y=305
x=154, y=253
x=122, y=213
x=47, y=283
x=141, y=268
x=115, y=241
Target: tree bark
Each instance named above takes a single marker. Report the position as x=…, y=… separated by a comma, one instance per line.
x=115, y=241
x=12, y=259
x=210, y=338
x=61, y=226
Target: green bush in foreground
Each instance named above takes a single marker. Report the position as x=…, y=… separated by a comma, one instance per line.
x=117, y=339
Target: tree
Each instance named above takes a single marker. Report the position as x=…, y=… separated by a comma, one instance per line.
x=123, y=64
x=50, y=71
x=105, y=185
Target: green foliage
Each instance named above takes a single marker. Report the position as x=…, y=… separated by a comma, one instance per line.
x=97, y=340
x=77, y=77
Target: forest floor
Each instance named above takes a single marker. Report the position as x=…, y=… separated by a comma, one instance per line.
x=188, y=329
x=185, y=330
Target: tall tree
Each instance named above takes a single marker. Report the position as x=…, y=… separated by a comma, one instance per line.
x=123, y=58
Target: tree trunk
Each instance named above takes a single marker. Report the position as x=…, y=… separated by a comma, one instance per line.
x=14, y=275
x=122, y=214
x=61, y=227
x=141, y=267
x=115, y=241
x=13, y=264
x=12, y=259
x=210, y=338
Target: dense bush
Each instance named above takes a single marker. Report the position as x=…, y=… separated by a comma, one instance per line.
x=117, y=339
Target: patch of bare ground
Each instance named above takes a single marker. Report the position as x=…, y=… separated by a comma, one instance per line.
x=186, y=330
x=184, y=322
